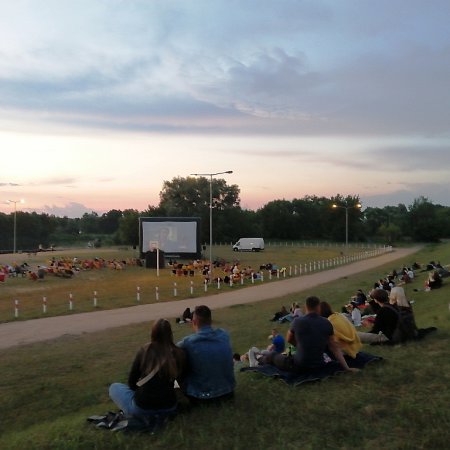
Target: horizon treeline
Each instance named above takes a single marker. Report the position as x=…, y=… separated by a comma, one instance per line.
x=305, y=219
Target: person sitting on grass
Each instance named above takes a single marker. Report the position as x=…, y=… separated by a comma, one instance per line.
x=343, y=331
x=311, y=335
x=277, y=345
x=434, y=280
x=279, y=314
x=150, y=389
x=397, y=297
x=210, y=375
x=385, y=322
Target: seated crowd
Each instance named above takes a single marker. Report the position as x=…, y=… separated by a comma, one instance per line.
x=202, y=365
x=64, y=267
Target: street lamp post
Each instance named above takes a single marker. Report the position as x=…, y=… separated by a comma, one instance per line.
x=347, y=207
x=15, y=221
x=210, y=175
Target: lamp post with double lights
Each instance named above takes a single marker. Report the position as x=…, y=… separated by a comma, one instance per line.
x=347, y=207
x=210, y=175
x=15, y=221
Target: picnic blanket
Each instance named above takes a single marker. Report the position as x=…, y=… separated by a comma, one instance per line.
x=328, y=370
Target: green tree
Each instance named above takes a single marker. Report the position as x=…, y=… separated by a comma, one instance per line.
x=109, y=221
x=190, y=197
x=424, y=221
x=128, y=232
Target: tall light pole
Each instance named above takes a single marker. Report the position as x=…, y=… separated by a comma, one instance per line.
x=347, y=207
x=15, y=220
x=210, y=175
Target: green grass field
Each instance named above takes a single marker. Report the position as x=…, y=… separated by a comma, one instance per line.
x=116, y=289
x=48, y=389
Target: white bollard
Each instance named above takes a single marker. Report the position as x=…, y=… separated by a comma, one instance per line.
x=44, y=305
x=206, y=285
x=175, y=291
x=192, y=288
x=253, y=278
x=157, y=293
x=242, y=280
x=290, y=271
x=70, y=302
x=95, y=299
x=270, y=274
x=218, y=283
x=16, y=309
x=138, y=294
x=278, y=273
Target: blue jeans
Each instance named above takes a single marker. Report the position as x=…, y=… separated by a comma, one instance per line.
x=123, y=397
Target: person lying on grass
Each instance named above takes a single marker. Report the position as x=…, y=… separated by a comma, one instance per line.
x=311, y=335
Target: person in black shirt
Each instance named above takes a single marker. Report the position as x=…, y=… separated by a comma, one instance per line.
x=385, y=321
x=155, y=368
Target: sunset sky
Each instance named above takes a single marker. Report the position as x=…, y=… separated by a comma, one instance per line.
x=101, y=101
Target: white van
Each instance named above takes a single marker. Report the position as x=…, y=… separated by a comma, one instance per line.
x=249, y=245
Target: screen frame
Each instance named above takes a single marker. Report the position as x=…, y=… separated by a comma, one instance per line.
x=176, y=254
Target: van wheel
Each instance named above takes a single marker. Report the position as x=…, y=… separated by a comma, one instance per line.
x=253, y=249
x=235, y=250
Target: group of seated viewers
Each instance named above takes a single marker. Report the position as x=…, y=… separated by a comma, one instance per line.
x=65, y=267
x=201, y=366
x=228, y=272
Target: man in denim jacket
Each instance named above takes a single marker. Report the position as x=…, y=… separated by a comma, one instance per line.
x=210, y=374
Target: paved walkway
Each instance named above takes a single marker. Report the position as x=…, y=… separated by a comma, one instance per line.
x=20, y=333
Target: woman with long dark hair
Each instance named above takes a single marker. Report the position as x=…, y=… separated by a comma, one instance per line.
x=155, y=368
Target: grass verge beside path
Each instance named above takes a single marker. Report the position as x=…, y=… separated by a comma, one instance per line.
x=48, y=389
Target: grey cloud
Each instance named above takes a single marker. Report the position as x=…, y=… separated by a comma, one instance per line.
x=54, y=181
x=8, y=184
x=258, y=66
x=407, y=195
x=72, y=209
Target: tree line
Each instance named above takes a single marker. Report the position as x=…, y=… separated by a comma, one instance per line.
x=307, y=218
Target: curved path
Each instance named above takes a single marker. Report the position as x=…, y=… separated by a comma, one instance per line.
x=36, y=330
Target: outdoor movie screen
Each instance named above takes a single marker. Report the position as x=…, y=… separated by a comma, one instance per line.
x=178, y=236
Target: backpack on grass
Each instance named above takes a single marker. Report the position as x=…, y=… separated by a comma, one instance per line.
x=406, y=329
x=116, y=421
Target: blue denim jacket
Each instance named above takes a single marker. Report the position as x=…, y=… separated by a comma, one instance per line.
x=210, y=363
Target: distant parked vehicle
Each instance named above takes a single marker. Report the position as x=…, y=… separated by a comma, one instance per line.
x=249, y=245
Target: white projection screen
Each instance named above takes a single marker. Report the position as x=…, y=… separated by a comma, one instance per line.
x=175, y=236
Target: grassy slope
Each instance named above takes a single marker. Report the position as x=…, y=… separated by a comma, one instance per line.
x=47, y=390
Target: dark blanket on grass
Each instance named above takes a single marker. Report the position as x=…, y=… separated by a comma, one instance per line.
x=328, y=370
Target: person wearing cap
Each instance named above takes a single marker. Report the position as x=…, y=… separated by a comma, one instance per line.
x=385, y=321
